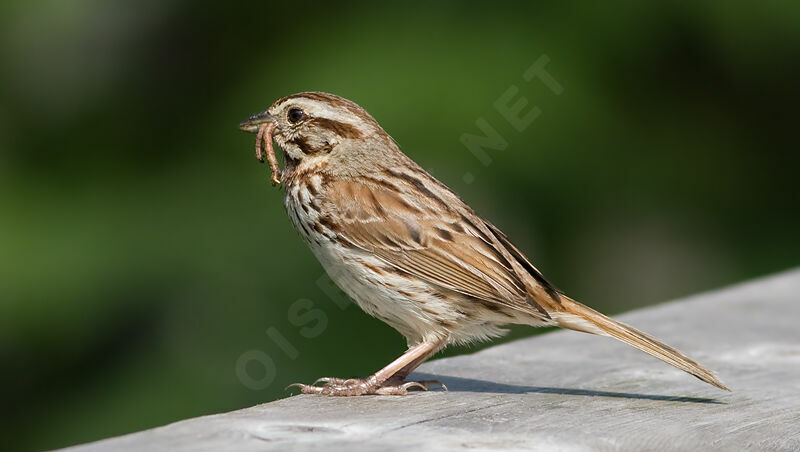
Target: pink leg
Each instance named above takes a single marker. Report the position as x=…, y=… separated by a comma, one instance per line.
x=397, y=370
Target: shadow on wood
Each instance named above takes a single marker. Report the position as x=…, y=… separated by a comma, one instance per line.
x=458, y=384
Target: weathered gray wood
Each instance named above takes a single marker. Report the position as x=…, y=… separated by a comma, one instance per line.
x=563, y=390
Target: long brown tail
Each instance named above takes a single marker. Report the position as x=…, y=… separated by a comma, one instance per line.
x=582, y=318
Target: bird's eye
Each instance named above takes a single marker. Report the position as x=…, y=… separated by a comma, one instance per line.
x=295, y=115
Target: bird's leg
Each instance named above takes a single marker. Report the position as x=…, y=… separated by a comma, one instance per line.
x=387, y=381
x=400, y=376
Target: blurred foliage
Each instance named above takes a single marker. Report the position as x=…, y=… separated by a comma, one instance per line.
x=142, y=249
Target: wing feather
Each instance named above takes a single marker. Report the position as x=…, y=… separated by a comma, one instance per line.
x=428, y=241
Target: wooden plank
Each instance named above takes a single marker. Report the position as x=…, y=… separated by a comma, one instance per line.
x=563, y=390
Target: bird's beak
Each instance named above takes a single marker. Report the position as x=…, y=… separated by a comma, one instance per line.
x=252, y=123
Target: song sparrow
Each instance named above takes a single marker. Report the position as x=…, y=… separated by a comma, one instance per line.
x=408, y=250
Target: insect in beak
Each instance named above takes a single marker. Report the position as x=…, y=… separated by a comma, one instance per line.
x=264, y=124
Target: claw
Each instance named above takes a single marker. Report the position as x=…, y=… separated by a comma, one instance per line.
x=414, y=384
x=305, y=389
x=400, y=390
x=428, y=383
x=353, y=386
x=336, y=381
x=391, y=390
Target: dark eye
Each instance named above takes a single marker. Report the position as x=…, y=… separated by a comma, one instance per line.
x=295, y=115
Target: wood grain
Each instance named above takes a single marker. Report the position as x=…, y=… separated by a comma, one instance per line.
x=562, y=390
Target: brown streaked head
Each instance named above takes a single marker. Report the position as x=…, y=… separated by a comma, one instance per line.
x=315, y=124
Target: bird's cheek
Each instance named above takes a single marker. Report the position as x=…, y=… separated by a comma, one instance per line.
x=292, y=150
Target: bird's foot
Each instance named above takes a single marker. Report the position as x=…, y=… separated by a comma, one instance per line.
x=356, y=386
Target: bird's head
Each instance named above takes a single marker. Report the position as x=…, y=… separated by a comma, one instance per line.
x=316, y=126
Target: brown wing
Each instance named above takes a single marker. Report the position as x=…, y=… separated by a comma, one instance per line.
x=434, y=241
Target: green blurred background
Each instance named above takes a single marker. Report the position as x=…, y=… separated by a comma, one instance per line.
x=143, y=250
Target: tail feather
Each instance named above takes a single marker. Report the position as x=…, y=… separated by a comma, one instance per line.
x=582, y=318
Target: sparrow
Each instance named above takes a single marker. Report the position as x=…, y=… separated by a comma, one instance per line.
x=406, y=248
